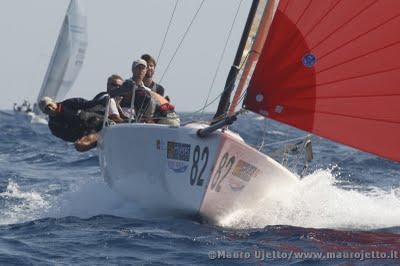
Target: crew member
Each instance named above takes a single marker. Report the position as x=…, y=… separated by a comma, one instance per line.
x=75, y=120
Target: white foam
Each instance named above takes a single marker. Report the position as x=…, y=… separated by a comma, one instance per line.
x=316, y=201
x=21, y=206
x=91, y=197
x=276, y=132
x=87, y=198
x=38, y=119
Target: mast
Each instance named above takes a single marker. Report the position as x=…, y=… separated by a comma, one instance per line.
x=230, y=81
x=256, y=49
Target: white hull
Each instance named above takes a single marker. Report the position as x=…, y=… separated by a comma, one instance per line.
x=172, y=170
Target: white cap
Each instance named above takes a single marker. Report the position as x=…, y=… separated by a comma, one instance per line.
x=139, y=62
x=44, y=102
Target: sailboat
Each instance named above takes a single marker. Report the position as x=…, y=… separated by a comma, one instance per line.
x=330, y=67
x=66, y=60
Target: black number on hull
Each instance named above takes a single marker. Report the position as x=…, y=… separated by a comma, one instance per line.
x=204, y=157
x=195, y=167
x=219, y=176
x=195, y=176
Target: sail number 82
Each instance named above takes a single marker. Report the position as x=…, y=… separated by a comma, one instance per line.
x=199, y=165
x=225, y=166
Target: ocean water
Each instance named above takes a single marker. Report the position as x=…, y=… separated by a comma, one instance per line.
x=55, y=209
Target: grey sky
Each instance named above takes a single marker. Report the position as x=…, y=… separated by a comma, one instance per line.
x=120, y=31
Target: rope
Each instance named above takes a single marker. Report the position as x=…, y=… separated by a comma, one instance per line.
x=222, y=54
x=182, y=39
x=166, y=33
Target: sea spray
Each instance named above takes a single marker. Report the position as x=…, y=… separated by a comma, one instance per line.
x=21, y=206
x=319, y=201
x=91, y=197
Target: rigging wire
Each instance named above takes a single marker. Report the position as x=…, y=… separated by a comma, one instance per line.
x=244, y=92
x=294, y=163
x=219, y=95
x=167, y=31
x=264, y=134
x=182, y=39
x=222, y=55
x=286, y=141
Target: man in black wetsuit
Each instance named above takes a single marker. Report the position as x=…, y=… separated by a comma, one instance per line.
x=75, y=120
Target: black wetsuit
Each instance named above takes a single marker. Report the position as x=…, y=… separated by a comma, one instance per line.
x=77, y=117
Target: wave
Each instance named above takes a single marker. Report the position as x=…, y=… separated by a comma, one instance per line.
x=319, y=201
x=20, y=206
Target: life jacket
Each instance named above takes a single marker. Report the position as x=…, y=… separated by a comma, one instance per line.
x=163, y=106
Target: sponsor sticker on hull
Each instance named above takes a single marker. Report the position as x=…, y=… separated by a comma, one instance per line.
x=177, y=166
x=178, y=156
x=178, y=151
x=244, y=172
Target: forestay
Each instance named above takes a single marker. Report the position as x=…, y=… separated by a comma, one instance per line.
x=332, y=67
x=68, y=54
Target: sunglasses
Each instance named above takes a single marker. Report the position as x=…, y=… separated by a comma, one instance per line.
x=114, y=84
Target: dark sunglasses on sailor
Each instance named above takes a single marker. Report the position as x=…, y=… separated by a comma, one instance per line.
x=113, y=86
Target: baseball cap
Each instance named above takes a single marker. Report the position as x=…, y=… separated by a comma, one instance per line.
x=139, y=62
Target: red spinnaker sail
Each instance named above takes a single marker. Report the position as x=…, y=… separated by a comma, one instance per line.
x=332, y=67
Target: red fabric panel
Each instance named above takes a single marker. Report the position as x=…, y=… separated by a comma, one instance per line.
x=332, y=67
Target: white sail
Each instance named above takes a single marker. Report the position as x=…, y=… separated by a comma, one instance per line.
x=68, y=55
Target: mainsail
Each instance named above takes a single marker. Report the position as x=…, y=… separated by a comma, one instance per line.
x=68, y=54
x=332, y=67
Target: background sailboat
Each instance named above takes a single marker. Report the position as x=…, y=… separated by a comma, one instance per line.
x=68, y=56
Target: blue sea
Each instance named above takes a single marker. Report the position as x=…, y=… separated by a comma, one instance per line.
x=55, y=209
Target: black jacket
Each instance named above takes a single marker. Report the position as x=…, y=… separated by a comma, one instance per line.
x=76, y=118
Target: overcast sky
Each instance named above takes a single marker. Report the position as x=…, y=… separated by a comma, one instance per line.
x=120, y=31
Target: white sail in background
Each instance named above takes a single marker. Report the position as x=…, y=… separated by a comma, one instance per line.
x=68, y=54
